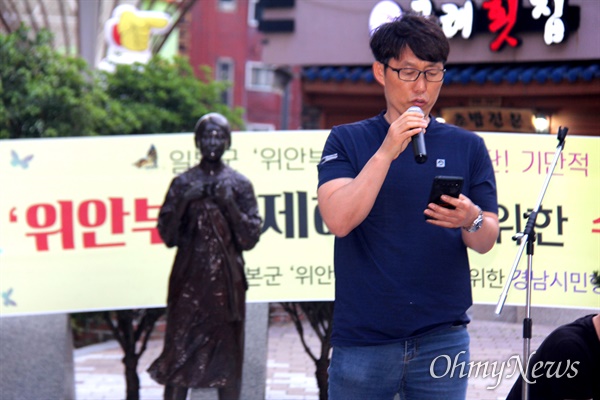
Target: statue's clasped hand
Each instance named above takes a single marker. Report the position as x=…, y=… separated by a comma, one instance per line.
x=223, y=193
x=200, y=191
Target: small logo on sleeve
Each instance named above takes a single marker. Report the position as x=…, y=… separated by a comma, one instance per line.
x=329, y=158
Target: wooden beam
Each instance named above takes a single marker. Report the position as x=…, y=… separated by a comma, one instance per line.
x=458, y=90
x=520, y=89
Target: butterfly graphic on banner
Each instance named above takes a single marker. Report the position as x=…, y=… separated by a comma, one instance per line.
x=6, y=297
x=149, y=161
x=16, y=161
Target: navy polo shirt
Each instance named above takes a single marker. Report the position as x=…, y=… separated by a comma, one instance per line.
x=396, y=276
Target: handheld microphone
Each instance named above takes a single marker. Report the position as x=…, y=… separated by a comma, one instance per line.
x=418, y=140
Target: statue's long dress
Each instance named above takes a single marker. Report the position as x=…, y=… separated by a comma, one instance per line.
x=204, y=339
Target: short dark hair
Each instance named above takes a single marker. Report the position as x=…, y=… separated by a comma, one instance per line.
x=216, y=119
x=423, y=35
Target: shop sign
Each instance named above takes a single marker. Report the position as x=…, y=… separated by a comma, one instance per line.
x=128, y=34
x=490, y=119
x=554, y=19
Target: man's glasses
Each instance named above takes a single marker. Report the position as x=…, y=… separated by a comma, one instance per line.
x=412, y=74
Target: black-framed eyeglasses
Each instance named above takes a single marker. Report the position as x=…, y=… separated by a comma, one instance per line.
x=412, y=74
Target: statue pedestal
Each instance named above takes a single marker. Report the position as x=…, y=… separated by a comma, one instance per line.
x=254, y=374
x=37, y=358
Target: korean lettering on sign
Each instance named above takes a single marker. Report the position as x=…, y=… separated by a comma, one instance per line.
x=487, y=277
x=182, y=160
x=546, y=220
x=572, y=282
x=507, y=17
x=542, y=280
x=295, y=208
x=490, y=118
x=287, y=158
x=84, y=224
x=539, y=162
x=302, y=274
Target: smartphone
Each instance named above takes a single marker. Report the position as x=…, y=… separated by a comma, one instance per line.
x=450, y=185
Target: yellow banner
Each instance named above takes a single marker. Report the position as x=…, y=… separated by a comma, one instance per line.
x=78, y=217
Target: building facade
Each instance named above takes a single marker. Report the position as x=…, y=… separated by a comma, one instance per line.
x=510, y=60
x=223, y=35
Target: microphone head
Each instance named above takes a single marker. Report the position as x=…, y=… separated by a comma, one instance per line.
x=415, y=109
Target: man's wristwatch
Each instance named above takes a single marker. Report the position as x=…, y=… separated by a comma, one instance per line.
x=477, y=223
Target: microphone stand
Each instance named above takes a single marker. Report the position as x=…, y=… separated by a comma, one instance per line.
x=527, y=238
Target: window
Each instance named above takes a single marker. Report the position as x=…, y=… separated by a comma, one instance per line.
x=225, y=72
x=259, y=76
x=227, y=5
x=252, y=20
x=259, y=126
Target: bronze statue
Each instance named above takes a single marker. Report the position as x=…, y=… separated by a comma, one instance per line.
x=211, y=214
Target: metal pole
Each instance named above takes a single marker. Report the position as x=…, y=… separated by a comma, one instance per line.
x=527, y=238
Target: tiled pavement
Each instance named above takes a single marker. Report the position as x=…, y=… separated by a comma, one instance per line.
x=290, y=372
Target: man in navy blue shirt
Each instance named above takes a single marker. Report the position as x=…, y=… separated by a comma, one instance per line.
x=401, y=264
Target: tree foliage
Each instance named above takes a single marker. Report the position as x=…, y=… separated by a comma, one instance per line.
x=46, y=94
x=163, y=96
